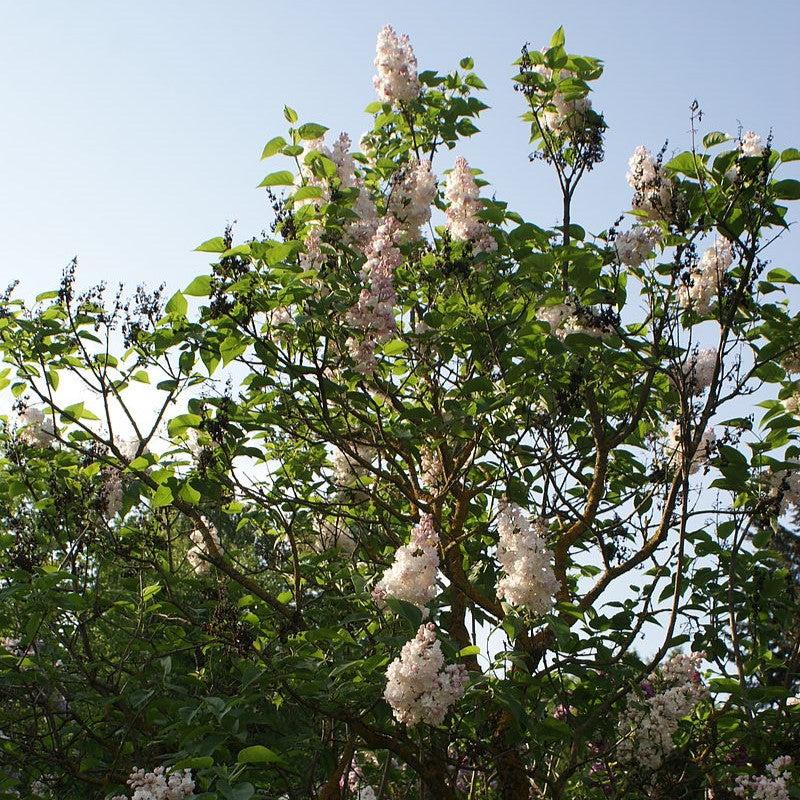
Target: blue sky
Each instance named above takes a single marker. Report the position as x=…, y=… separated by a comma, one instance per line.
x=132, y=132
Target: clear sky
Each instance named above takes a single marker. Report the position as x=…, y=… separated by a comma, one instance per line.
x=132, y=131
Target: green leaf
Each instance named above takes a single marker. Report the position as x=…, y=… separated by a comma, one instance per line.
x=715, y=138
x=177, y=305
x=466, y=63
x=199, y=287
x=686, y=163
x=472, y=650
x=779, y=275
x=290, y=115
x=161, y=497
x=242, y=791
x=558, y=39
x=273, y=147
x=258, y=754
x=311, y=130
x=307, y=193
x=149, y=592
x=77, y=411
x=230, y=348
x=46, y=296
x=788, y=189
x=281, y=178
x=790, y=154
x=395, y=347
x=215, y=245
x=189, y=494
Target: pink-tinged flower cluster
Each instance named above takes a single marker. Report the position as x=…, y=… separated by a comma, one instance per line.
x=751, y=144
x=463, y=222
x=706, y=279
x=674, y=449
x=362, y=228
x=431, y=476
x=529, y=580
x=652, y=189
x=312, y=256
x=419, y=687
x=651, y=719
x=373, y=314
x=356, y=783
x=412, y=576
x=635, y=246
x=699, y=370
x=411, y=198
x=197, y=555
x=396, y=64
x=160, y=784
x=771, y=786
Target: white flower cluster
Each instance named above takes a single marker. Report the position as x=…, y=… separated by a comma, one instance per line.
x=334, y=533
x=347, y=469
x=751, y=145
x=412, y=196
x=636, y=245
x=198, y=553
x=397, y=79
x=699, y=370
x=277, y=320
x=674, y=449
x=462, y=193
x=419, y=688
x=791, y=361
x=412, y=576
x=706, y=279
x=159, y=785
x=565, y=318
x=564, y=116
x=111, y=493
x=529, y=580
x=792, y=404
x=36, y=428
x=373, y=314
x=649, y=722
x=771, y=786
x=652, y=188
x=785, y=484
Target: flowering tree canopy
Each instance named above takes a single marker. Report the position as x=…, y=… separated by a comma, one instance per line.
x=413, y=497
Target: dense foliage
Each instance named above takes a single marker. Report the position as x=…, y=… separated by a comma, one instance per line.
x=382, y=505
